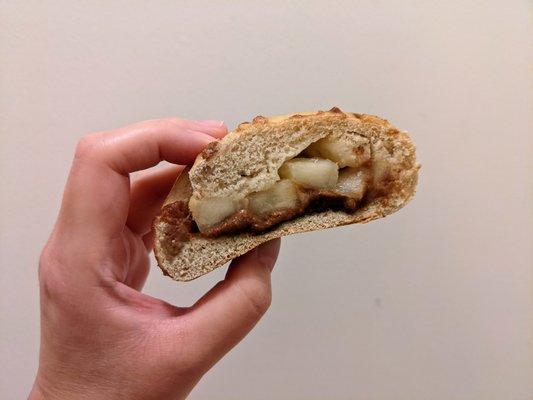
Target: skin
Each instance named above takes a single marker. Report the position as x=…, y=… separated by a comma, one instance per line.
x=101, y=337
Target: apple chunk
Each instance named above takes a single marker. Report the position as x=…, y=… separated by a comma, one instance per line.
x=352, y=183
x=315, y=173
x=282, y=195
x=344, y=154
x=210, y=211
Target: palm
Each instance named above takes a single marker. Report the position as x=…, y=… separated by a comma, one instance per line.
x=137, y=327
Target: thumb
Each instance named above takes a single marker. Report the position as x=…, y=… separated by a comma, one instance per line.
x=224, y=315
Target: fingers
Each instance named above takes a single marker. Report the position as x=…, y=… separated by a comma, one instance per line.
x=96, y=199
x=144, y=144
x=214, y=128
x=231, y=309
x=147, y=195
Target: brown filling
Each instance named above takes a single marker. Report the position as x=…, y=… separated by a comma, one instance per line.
x=311, y=201
x=178, y=225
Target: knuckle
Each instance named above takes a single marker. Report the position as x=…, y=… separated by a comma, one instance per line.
x=87, y=145
x=52, y=282
x=45, y=259
x=49, y=281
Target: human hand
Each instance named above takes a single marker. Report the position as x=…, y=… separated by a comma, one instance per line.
x=101, y=338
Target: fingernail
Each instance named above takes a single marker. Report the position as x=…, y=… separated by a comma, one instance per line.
x=267, y=253
x=211, y=123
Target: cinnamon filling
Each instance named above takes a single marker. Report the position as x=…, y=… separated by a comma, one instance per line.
x=310, y=201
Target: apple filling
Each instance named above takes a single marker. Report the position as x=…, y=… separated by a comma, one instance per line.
x=327, y=175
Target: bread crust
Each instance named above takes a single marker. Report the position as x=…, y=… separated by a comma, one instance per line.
x=198, y=255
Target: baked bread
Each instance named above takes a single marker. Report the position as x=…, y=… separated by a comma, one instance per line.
x=355, y=168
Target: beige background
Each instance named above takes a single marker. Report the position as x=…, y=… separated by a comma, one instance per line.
x=434, y=302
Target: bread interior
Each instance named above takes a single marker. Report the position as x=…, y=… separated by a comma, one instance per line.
x=335, y=171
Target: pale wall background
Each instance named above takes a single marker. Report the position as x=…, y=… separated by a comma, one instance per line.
x=434, y=302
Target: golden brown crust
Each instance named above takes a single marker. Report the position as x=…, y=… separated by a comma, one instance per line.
x=201, y=255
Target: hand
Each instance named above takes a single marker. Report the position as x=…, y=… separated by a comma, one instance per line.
x=101, y=338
